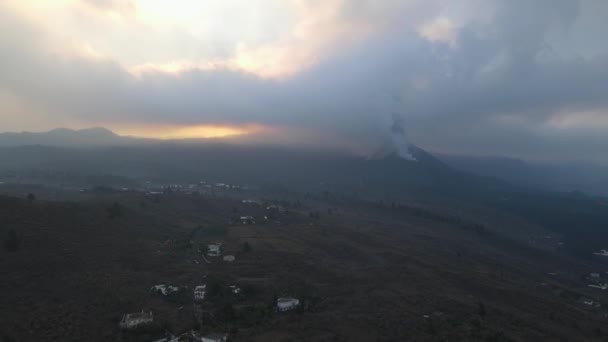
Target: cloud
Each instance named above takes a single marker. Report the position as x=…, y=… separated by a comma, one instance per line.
x=480, y=77
x=123, y=7
x=441, y=29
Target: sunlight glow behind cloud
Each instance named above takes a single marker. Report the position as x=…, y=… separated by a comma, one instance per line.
x=190, y=132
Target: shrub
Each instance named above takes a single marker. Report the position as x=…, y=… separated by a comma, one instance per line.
x=12, y=242
x=115, y=211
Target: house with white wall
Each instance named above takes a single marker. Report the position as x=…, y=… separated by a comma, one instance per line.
x=135, y=320
x=287, y=303
x=199, y=292
x=214, y=249
x=214, y=338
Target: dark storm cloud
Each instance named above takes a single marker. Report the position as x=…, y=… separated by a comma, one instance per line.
x=493, y=92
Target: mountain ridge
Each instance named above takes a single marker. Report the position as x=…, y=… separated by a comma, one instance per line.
x=64, y=137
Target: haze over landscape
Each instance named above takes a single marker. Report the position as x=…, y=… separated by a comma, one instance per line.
x=514, y=78
x=302, y=170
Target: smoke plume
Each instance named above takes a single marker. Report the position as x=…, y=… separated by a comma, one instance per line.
x=399, y=138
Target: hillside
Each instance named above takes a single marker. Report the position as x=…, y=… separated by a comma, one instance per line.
x=363, y=271
x=555, y=176
x=65, y=137
x=579, y=217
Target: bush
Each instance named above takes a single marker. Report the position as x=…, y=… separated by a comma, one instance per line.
x=481, y=309
x=12, y=242
x=115, y=211
x=226, y=313
x=214, y=231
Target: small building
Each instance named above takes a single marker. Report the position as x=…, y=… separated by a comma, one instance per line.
x=135, y=320
x=235, y=289
x=276, y=208
x=214, y=249
x=602, y=287
x=167, y=338
x=229, y=258
x=214, y=338
x=287, y=303
x=247, y=220
x=594, y=275
x=165, y=290
x=589, y=302
x=199, y=292
x=164, y=339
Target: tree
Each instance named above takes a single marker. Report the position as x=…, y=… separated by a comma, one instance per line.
x=115, y=211
x=31, y=197
x=481, y=310
x=275, y=299
x=246, y=247
x=226, y=313
x=216, y=289
x=12, y=242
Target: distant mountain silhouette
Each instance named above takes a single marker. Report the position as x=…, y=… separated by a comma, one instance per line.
x=64, y=137
x=267, y=162
x=572, y=176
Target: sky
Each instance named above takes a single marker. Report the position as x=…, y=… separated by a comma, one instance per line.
x=515, y=78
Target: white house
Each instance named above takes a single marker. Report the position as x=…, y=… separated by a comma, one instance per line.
x=134, y=320
x=168, y=338
x=287, y=303
x=199, y=292
x=214, y=338
x=603, y=252
x=592, y=303
x=235, y=289
x=164, y=289
x=602, y=287
x=247, y=220
x=214, y=249
x=594, y=275
x=229, y=258
x=275, y=207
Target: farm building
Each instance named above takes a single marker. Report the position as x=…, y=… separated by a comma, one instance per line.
x=199, y=292
x=247, y=220
x=214, y=249
x=214, y=338
x=165, y=290
x=135, y=320
x=287, y=303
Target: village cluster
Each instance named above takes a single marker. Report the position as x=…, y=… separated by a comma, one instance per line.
x=202, y=187
x=136, y=320
x=597, y=281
